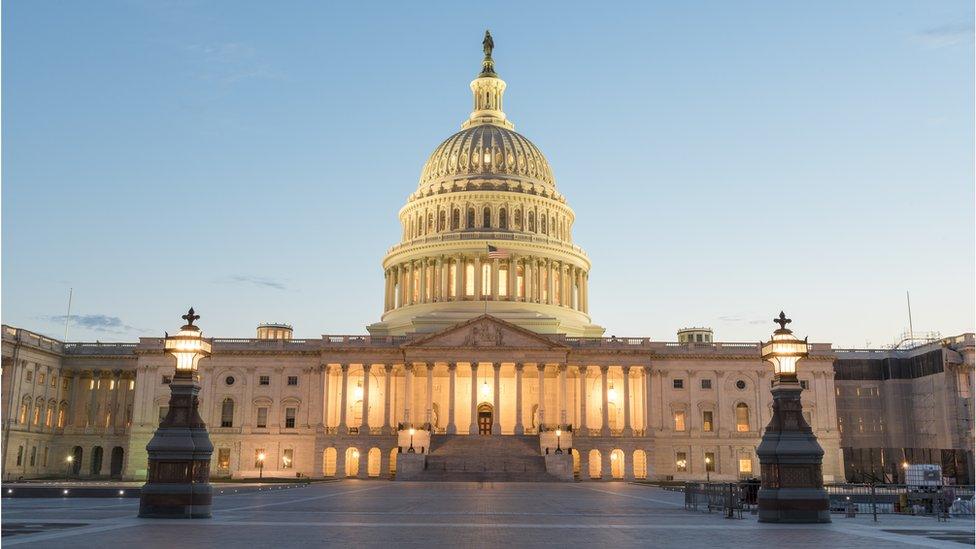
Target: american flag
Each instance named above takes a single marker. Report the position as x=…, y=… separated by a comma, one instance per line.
x=497, y=253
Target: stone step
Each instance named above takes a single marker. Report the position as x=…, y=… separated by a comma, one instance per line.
x=480, y=445
x=486, y=464
x=441, y=476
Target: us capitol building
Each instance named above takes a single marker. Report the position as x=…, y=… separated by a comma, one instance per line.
x=486, y=349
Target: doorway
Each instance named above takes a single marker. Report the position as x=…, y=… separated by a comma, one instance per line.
x=485, y=412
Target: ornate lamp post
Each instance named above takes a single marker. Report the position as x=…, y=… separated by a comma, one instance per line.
x=708, y=470
x=559, y=434
x=411, y=450
x=790, y=457
x=178, y=483
x=261, y=466
x=67, y=468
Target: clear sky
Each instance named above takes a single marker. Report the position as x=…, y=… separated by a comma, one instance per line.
x=725, y=159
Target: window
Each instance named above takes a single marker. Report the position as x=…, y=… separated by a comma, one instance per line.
x=486, y=218
x=710, y=461
x=44, y=457
x=289, y=418
x=61, y=412
x=29, y=377
x=20, y=456
x=24, y=407
x=470, y=218
x=502, y=219
x=740, y=385
x=163, y=410
x=804, y=384
x=532, y=222
x=259, y=457
x=33, y=458
x=681, y=462
x=111, y=385
x=455, y=220
x=264, y=380
x=469, y=279
x=223, y=458
x=741, y=417
x=679, y=421
x=229, y=380
x=706, y=384
x=262, y=417
x=227, y=413
x=167, y=380
x=707, y=421
x=745, y=466
x=503, y=280
x=48, y=416
x=288, y=458
x=41, y=378
x=678, y=383
x=132, y=384
x=65, y=385
x=292, y=380
x=54, y=380
x=37, y=415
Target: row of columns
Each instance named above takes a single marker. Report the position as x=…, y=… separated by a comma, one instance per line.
x=562, y=397
x=428, y=280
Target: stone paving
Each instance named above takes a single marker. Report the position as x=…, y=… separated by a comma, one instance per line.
x=380, y=513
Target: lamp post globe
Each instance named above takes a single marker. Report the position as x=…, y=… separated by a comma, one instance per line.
x=411, y=450
x=559, y=434
x=178, y=479
x=708, y=469
x=790, y=458
x=261, y=465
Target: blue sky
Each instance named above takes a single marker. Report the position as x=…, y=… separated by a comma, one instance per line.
x=725, y=159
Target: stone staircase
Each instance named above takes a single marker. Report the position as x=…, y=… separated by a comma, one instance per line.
x=496, y=458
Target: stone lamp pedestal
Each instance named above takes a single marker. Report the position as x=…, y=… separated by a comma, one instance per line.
x=791, y=462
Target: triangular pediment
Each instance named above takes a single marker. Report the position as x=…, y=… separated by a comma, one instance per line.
x=485, y=331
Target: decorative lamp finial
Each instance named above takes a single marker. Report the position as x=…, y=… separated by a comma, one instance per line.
x=488, y=64
x=190, y=317
x=782, y=320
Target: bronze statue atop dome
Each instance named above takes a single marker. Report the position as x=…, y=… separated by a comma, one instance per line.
x=488, y=65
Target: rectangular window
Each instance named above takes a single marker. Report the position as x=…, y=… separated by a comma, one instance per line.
x=223, y=458
x=111, y=385
x=681, y=462
x=41, y=378
x=132, y=384
x=288, y=458
x=706, y=384
x=61, y=418
x=259, y=457
x=262, y=417
x=28, y=376
x=33, y=456
x=710, y=462
x=48, y=416
x=804, y=384
x=65, y=385
x=163, y=410
x=54, y=380
x=678, y=383
x=289, y=418
x=745, y=466
x=292, y=380
x=707, y=421
x=44, y=458
x=679, y=421
x=264, y=380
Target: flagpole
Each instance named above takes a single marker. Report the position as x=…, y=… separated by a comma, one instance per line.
x=67, y=317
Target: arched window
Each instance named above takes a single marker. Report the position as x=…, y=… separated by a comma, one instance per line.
x=227, y=413
x=742, y=417
x=62, y=413
x=455, y=220
x=542, y=224
x=24, y=409
x=441, y=220
x=419, y=227
x=502, y=219
x=517, y=220
x=430, y=223
x=486, y=218
x=470, y=224
x=532, y=222
x=37, y=414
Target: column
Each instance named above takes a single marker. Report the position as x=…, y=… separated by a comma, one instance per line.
x=512, y=278
x=325, y=395
x=458, y=278
x=586, y=292
x=527, y=271
x=496, y=426
x=583, y=430
x=363, y=471
x=365, y=424
x=605, y=429
x=628, y=431
x=477, y=278
x=387, y=399
x=429, y=417
x=519, y=428
x=452, y=372
x=399, y=286
x=647, y=400
x=409, y=289
x=343, y=427
x=542, y=394
x=563, y=419
x=550, y=265
x=442, y=269
x=386, y=290
x=408, y=390
x=494, y=286
x=473, y=429
x=423, y=281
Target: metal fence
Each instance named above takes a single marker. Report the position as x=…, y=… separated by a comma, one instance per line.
x=941, y=502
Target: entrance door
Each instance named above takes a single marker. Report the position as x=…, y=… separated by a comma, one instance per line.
x=484, y=419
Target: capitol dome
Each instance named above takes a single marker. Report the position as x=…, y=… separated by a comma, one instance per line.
x=486, y=232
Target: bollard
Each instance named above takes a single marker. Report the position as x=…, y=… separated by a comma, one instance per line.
x=850, y=510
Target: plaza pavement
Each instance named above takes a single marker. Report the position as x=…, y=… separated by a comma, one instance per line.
x=382, y=513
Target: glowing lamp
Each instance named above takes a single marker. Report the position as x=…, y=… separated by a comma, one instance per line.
x=784, y=350
x=485, y=390
x=188, y=346
x=612, y=394
x=413, y=431
x=904, y=465
x=69, y=459
x=261, y=457
x=359, y=392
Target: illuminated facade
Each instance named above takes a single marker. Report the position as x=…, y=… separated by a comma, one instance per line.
x=485, y=347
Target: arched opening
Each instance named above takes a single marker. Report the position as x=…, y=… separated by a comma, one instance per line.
x=612, y=413
x=542, y=224
x=352, y=462
x=227, y=413
x=517, y=219
x=116, y=465
x=502, y=219
x=617, y=464
x=455, y=219
x=470, y=223
x=742, y=417
x=595, y=463
x=373, y=462
x=430, y=223
x=96, y=461
x=535, y=417
x=640, y=464
x=76, y=454
x=576, y=463
x=486, y=218
x=393, y=460
x=485, y=412
x=329, y=462
x=441, y=220
x=532, y=222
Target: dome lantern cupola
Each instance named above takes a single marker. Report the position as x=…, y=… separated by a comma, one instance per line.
x=488, y=90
